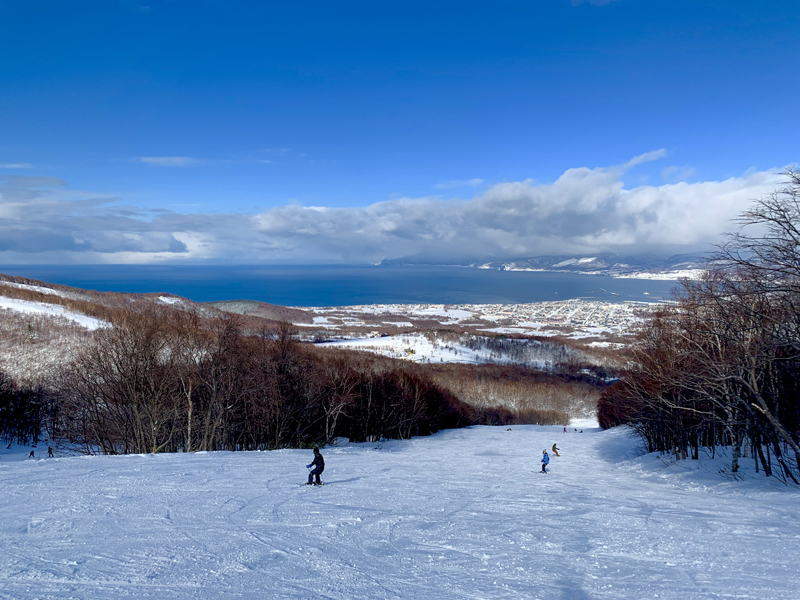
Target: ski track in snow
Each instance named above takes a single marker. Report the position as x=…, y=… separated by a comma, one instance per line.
x=463, y=514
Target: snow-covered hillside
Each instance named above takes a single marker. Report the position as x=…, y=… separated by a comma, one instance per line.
x=428, y=348
x=50, y=310
x=463, y=514
x=416, y=348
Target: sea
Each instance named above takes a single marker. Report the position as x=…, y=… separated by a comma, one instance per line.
x=315, y=285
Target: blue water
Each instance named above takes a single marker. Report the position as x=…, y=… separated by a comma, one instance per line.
x=345, y=285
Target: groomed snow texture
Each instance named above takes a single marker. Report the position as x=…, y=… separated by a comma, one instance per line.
x=464, y=514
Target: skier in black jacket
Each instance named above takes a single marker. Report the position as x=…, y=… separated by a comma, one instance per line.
x=319, y=467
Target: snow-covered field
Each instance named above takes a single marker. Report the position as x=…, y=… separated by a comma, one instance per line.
x=664, y=276
x=460, y=515
x=414, y=347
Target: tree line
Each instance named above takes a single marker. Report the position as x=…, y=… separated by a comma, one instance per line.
x=721, y=366
x=163, y=379
x=159, y=379
x=24, y=411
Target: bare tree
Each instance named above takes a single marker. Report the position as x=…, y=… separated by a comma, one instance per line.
x=722, y=364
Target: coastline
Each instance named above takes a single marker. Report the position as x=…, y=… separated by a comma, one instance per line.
x=350, y=285
x=660, y=276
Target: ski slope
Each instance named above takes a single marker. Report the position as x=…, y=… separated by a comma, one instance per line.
x=463, y=514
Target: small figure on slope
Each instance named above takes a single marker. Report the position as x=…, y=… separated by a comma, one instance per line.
x=555, y=450
x=545, y=461
x=319, y=467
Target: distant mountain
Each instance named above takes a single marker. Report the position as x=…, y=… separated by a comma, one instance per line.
x=608, y=264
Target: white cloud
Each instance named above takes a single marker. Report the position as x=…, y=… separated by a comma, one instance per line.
x=646, y=157
x=584, y=210
x=16, y=166
x=673, y=173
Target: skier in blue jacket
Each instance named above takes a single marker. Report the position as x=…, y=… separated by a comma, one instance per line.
x=319, y=467
x=545, y=461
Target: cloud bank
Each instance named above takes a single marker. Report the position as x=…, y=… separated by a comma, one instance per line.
x=585, y=210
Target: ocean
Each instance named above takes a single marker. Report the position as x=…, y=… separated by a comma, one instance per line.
x=346, y=285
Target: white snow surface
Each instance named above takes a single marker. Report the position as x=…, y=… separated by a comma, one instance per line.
x=424, y=350
x=576, y=261
x=665, y=276
x=464, y=514
x=53, y=310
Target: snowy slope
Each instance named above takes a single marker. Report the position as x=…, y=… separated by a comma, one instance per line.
x=459, y=515
x=52, y=310
x=414, y=347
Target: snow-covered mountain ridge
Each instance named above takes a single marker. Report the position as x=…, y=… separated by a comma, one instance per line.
x=644, y=266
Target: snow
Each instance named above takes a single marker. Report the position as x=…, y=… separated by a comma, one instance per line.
x=521, y=331
x=605, y=345
x=460, y=515
x=575, y=261
x=414, y=347
x=409, y=310
x=35, y=288
x=54, y=310
x=455, y=314
x=664, y=276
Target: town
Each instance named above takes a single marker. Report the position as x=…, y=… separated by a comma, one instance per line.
x=578, y=319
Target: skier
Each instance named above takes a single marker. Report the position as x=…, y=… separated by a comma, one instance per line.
x=545, y=461
x=565, y=430
x=319, y=466
x=555, y=450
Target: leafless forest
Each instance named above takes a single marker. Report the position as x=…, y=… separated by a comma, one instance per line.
x=722, y=366
x=172, y=377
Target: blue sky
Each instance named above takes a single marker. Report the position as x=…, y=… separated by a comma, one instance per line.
x=312, y=131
